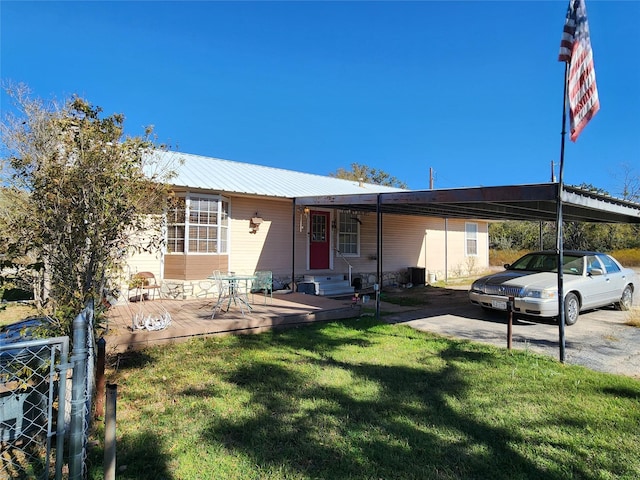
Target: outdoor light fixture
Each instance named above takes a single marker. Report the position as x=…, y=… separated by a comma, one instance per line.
x=255, y=222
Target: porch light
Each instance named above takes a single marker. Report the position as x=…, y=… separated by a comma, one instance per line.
x=254, y=223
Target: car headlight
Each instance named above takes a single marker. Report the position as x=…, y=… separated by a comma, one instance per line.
x=544, y=293
x=477, y=286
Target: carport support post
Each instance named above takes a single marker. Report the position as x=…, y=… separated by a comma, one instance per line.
x=379, y=253
x=293, y=246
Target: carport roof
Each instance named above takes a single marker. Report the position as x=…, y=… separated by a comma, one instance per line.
x=513, y=202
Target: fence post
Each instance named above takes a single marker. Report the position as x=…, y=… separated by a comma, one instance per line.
x=78, y=387
x=100, y=377
x=110, y=433
x=61, y=423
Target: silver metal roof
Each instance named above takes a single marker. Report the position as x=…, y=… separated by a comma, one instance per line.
x=195, y=172
x=510, y=202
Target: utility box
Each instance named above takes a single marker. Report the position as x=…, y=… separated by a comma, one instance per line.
x=417, y=275
x=310, y=288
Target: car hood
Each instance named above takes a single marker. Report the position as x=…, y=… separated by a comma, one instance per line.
x=502, y=277
x=525, y=279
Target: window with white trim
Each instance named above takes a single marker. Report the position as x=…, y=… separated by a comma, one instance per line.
x=471, y=239
x=348, y=234
x=198, y=224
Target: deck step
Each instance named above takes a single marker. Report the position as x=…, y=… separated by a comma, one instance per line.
x=325, y=285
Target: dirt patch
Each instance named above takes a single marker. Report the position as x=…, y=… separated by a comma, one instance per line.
x=420, y=296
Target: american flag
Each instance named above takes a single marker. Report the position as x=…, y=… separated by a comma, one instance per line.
x=575, y=49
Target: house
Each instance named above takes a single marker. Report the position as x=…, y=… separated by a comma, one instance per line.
x=241, y=217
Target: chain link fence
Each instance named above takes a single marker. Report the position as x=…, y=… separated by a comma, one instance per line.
x=45, y=404
x=32, y=406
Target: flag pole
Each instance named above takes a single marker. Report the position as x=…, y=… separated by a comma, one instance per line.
x=581, y=95
x=559, y=221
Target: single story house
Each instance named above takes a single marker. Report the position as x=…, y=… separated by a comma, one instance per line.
x=240, y=217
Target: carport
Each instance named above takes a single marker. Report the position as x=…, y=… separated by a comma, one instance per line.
x=534, y=202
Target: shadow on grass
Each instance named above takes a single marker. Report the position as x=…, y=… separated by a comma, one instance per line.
x=138, y=456
x=321, y=405
x=408, y=429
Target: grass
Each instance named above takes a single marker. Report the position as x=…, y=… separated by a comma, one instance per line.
x=14, y=312
x=363, y=400
x=633, y=317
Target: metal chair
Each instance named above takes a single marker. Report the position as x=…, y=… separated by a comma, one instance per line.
x=263, y=283
x=142, y=281
x=223, y=292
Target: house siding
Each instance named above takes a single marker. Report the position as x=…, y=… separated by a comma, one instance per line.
x=269, y=248
x=435, y=244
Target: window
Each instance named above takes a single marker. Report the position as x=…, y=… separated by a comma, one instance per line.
x=609, y=264
x=198, y=225
x=176, y=225
x=348, y=234
x=471, y=239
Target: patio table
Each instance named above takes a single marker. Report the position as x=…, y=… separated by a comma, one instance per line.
x=236, y=295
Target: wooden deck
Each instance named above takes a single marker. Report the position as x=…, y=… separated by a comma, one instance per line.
x=192, y=318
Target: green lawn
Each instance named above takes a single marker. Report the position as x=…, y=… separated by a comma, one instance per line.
x=363, y=400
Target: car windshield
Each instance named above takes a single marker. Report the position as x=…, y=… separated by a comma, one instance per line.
x=546, y=262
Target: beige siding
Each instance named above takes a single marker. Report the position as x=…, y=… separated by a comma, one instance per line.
x=434, y=244
x=269, y=248
x=446, y=248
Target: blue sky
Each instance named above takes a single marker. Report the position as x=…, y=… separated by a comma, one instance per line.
x=470, y=89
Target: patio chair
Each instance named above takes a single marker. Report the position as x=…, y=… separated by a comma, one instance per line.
x=222, y=288
x=144, y=281
x=263, y=283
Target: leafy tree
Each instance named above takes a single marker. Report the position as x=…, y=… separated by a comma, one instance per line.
x=368, y=175
x=74, y=191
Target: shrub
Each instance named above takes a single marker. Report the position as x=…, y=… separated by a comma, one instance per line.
x=629, y=257
x=499, y=257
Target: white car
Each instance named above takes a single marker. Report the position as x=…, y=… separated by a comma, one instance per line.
x=590, y=280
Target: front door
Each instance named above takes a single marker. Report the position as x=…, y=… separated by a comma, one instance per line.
x=319, y=241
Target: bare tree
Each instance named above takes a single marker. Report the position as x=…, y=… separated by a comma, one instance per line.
x=630, y=180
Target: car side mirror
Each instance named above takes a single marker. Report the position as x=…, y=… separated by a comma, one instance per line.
x=506, y=266
x=596, y=271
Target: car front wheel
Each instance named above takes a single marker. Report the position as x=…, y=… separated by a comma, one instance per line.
x=571, y=309
x=626, y=300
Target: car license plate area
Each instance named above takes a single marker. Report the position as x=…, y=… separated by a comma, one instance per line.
x=499, y=304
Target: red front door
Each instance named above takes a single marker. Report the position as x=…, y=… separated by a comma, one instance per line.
x=319, y=241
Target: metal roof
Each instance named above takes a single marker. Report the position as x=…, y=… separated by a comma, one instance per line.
x=195, y=172
x=512, y=202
